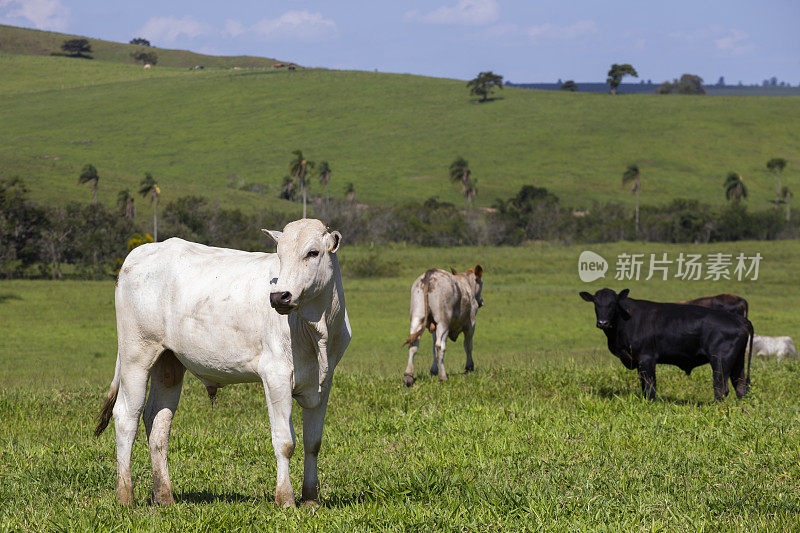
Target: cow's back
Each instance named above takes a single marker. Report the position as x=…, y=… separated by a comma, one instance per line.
x=175, y=272
x=679, y=329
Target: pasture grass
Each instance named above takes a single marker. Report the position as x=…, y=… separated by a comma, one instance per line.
x=550, y=431
x=393, y=136
x=24, y=41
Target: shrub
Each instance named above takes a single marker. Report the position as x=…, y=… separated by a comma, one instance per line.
x=371, y=266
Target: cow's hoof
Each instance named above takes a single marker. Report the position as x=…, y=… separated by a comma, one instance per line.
x=434, y=370
x=124, y=495
x=469, y=368
x=164, y=499
x=284, y=498
x=310, y=503
x=408, y=380
x=442, y=378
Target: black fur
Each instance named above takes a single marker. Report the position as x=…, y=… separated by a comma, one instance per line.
x=643, y=333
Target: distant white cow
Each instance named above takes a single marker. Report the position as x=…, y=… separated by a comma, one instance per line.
x=446, y=304
x=229, y=317
x=781, y=347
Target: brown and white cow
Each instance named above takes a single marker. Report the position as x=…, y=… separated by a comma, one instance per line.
x=446, y=304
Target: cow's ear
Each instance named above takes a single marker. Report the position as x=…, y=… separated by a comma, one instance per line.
x=478, y=271
x=333, y=239
x=273, y=234
x=453, y=271
x=624, y=294
x=586, y=296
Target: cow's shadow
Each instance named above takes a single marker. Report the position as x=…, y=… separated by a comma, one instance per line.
x=204, y=496
x=617, y=393
x=346, y=500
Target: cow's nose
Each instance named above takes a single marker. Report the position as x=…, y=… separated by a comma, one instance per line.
x=280, y=299
x=602, y=324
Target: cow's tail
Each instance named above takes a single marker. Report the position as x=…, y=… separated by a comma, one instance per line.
x=108, y=406
x=426, y=281
x=750, y=353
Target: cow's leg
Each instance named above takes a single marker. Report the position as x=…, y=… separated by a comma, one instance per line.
x=647, y=376
x=434, y=364
x=279, y=405
x=166, y=380
x=720, y=377
x=470, y=366
x=127, y=409
x=313, y=420
x=408, y=375
x=441, y=345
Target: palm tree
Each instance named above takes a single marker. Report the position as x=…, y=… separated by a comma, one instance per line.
x=89, y=175
x=776, y=166
x=350, y=192
x=298, y=168
x=324, y=174
x=125, y=204
x=631, y=175
x=460, y=172
x=288, y=189
x=786, y=195
x=734, y=187
x=470, y=191
x=151, y=191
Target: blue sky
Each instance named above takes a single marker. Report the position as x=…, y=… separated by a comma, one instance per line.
x=526, y=41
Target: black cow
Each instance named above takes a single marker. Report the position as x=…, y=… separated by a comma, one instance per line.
x=643, y=334
x=726, y=302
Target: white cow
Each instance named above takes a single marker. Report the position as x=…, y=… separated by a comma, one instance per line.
x=781, y=347
x=229, y=317
x=446, y=303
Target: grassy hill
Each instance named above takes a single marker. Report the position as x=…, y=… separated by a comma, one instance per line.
x=14, y=40
x=393, y=136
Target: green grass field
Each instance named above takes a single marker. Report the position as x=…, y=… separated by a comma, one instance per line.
x=24, y=41
x=549, y=432
x=392, y=135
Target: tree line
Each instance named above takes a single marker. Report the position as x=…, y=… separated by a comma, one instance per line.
x=90, y=240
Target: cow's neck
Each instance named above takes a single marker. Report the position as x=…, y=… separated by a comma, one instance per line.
x=618, y=345
x=323, y=318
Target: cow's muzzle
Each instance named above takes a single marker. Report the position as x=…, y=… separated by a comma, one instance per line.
x=281, y=302
x=603, y=324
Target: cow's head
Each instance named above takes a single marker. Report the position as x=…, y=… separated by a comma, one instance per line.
x=307, y=254
x=607, y=307
x=475, y=278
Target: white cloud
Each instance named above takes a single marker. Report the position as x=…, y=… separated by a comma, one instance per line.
x=572, y=31
x=727, y=40
x=464, y=12
x=296, y=26
x=43, y=14
x=233, y=28
x=168, y=29
x=734, y=43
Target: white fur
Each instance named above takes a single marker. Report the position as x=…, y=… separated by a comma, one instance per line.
x=451, y=301
x=211, y=308
x=781, y=347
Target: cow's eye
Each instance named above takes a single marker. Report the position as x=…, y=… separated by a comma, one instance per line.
x=312, y=253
